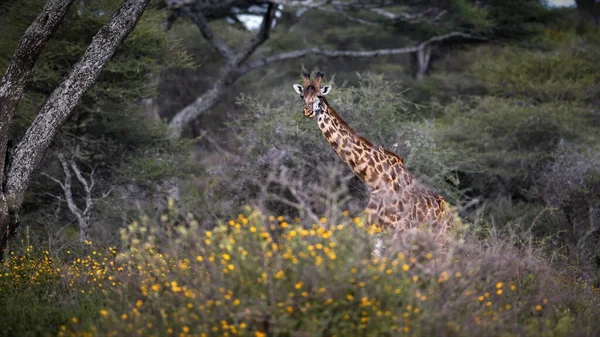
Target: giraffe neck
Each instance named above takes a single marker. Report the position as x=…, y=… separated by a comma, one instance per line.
x=372, y=164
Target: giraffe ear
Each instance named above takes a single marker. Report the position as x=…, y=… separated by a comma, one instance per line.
x=298, y=88
x=325, y=90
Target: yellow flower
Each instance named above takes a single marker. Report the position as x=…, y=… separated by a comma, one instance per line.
x=226, y=257
x=236, y=302
x=405, y=267
x=349, y=297
x=538, y=307
x=499, y=292
x=299, y=285
x=75, y=320
x=499, y=285
x=103, y=313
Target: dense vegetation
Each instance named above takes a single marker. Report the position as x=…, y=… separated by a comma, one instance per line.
x=506, y=129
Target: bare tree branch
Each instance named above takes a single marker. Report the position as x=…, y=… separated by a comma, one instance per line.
x=259, y=38
x=348, y=16
x=83, y=216
x=342, y=5
x=200, y=21
x=227, y=76
x=302, y=3
x=233, y=71
x=424, y=16
x=351, y=53
x=62, y=186
x=86, y=187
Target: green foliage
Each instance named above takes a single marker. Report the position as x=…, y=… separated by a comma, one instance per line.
x=517, y=19
x=508, y=140
x=568, y=71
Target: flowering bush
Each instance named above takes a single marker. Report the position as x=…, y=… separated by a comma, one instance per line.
x=260, y=275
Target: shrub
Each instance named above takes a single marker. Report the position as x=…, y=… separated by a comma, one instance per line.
x=259, y=275
x=505, y=143
x=563, y=70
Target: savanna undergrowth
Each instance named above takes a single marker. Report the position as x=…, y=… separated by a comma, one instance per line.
x=261, y=275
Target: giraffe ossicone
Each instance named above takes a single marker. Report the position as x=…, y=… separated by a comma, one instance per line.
x=397, y=200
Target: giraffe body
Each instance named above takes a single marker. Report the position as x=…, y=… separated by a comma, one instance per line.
x=397, y=199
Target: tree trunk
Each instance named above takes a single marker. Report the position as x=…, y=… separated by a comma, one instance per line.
x=22, y=61
x=423, y=59
x=11, y=89
x=31, y=149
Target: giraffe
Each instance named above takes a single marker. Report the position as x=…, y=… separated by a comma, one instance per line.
x=397, y=200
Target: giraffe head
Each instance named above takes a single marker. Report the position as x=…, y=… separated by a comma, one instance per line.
x=312, y=94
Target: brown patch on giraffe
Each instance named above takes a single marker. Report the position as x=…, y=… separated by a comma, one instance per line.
x=387, y=179
x=392, y=155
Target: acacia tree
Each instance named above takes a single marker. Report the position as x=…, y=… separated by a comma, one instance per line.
x=237, y=63
x=17, y=167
